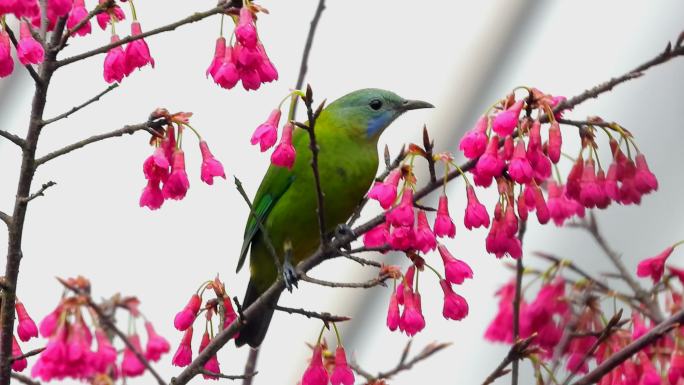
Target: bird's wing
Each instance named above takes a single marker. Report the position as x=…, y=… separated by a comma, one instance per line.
x=275, y=183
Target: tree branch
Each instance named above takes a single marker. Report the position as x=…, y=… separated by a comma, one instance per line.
x=26, y=380
x=403, y=364
x=226, y=376
x=304, y=65
x=28, y=354
x=150, y=126
x=38, y=193
x=221, y=8
x=628, y=351
x=519, y=269
x=81, y=106
x=517, y=351
x=325, y=317
x=379, y=281
x=5, y=218
x=250, y=366
x=13, y=138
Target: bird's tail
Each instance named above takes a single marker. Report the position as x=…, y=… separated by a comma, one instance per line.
x=254, y=332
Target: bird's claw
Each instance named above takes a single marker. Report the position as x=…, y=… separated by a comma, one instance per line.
x=289, y=273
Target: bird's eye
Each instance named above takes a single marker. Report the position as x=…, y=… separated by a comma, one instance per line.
x=375, y=104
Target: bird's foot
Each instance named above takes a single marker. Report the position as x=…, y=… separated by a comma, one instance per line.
x=343, y=230
x=289, y=273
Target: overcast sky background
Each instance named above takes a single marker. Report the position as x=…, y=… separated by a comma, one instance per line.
x=461, y=56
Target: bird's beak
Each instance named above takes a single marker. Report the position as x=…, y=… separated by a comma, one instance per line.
x=415, y=104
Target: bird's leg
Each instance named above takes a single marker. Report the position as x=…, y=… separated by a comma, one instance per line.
x=344, y=230
x=289, y=273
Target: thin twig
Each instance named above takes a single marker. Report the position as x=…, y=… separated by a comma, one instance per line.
x=262, y=228
x=150, y=127
x=310, y=127
x=359, y=260
x=325, y=316
x=221, y=8
x=29, y=68
x=28, y=354
x=39, y=193
x=403, y=364
x=516, y=302
x=610, y=328
x=429, y=156
x=226, y=376
x=81, y=106
x=13, y=138
x=628, y=351
x=6, y=218
x=250, y=366
x=379, y=281
x=304, y=65
x=517, y=351
x=24, y=379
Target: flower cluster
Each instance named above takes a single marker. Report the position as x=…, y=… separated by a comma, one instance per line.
x=266, y=136
x=121, y=62
x=326, y=367
x=26, y=329
x=80, y=348
x=165, y=168
x=220, y=306
x=508, y=148
x=246, y=59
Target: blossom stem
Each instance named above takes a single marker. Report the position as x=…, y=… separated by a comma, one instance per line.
x=678, y=243
x=221, y=28
x=460, y=171
x=320, y=335
x=200, y=290
x=434, y=271
x=337, y=334
x=135, y=15
x=194, y=130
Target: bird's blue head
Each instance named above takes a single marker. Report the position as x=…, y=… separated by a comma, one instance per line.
x=371, y=110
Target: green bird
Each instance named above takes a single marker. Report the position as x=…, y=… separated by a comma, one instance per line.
x=347, y=133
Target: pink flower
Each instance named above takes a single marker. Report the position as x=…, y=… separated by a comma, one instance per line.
x=377, y=236
x=156, y=166
x=186, y=317
x=475, y=213
x=115, y=63
x=267, y=133
x=505, y=122
x=210, y=166
x=501, y=327
x=573, y=185
x=26, y=328
x=455, y=306
x=542, y=209
x=229, y=314
x=402, y=214
x=152, y=196
x=18, y=365
x=407, y=280
x=490, y=165
x=342, y=375
x=183, y=355
x=444, y=226
x=227, y=75
x=78, y=13
x=644, y=180
x=401, y=238
x=212, y=365
x=266, y=70
x=474, y=142
x=59, y=8
x=412, y=320
x=591, y=192
x=520, y=169
x=654, y=266
x=393, y=312
x=217, y=61
x=131, y=365
x=156, y=344
x=246, y=32
x=106, y=354
x=137, y=52
x=178, y=184
x=456, y=271
x=386, y=192
x=555, y=142
x=423, y=237
x=535, y=141
x=540, y=163
x=284, y=154
x=103, y=18
x=315, y=373
x=29, y=51
x=676, y=370
x=49, y=324
x=6, y=62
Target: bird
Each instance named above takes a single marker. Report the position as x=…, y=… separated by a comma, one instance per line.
x=347, y=133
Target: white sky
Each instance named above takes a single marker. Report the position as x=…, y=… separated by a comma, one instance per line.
x=459, y=55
